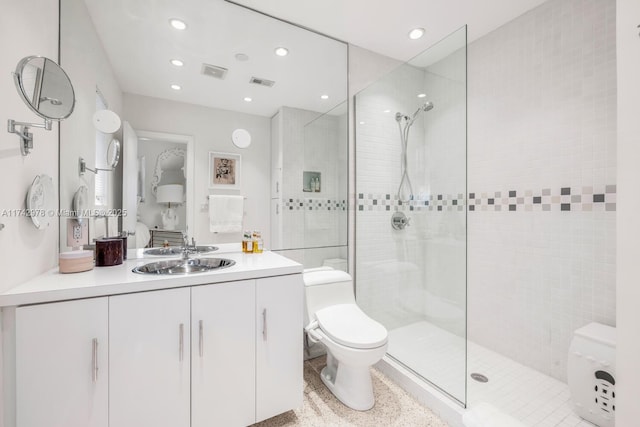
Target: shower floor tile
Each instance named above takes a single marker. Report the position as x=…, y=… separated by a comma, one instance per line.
x=524, y=393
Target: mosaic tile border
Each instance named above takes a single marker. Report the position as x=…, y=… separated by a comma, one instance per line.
x=313, y=203
x=588, y=198
x=564, y=199
x=390, y=202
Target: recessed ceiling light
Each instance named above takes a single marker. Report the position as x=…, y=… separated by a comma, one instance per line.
x=361, y=123
x=416, y=33
x=178, y=24
x=176, y=87
x=282, y=51
x=324, y=96
x=422, y=95
x=247, y=99
x=142, y=138
x=386, y=111
x=177, y=62
x=242, y=57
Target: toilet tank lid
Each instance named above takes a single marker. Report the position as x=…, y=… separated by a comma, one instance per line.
x=599, y=333
x=324, y=277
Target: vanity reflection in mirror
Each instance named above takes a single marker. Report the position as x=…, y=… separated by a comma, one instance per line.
x=216, y=86
x=46, y=89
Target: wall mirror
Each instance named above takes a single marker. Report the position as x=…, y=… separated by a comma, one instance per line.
x=47, y=91
x=44, y=87
x=194, y=87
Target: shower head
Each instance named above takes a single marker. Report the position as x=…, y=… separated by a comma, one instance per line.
x=424, y=107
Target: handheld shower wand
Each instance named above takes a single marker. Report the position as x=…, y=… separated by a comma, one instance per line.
x=404, y=139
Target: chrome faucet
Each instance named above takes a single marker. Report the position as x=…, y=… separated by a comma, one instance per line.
x=188, y=249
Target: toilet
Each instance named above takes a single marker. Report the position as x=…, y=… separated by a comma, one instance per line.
x=352, y=339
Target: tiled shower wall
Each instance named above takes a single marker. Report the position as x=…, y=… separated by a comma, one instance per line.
x=542, y=168
x=313, y=223
x=541, y=193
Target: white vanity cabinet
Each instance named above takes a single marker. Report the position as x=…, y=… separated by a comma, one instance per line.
x=220, y=354
x=149, y=359
x=246, y=350
x=279, y=302
x=61, y=365
x=223, y=354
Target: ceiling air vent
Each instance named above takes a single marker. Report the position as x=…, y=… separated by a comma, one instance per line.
x=214, y=71
x=262, y=82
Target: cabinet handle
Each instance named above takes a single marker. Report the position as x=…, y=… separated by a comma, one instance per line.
x=277, y=186
x=94, y=360
x=201, y=334
x=264, y=324
x=277, y=209
x=181, y=341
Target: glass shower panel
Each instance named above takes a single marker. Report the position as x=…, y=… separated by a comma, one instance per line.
x=411, y=211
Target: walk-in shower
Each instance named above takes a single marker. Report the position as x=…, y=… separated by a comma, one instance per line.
x=404, y=125
x=411, y=277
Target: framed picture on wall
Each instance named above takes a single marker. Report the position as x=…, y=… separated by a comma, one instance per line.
x=224, y=171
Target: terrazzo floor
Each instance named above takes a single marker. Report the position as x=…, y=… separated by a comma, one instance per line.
x=394, y=407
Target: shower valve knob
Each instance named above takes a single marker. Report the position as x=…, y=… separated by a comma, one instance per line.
x=399, y=220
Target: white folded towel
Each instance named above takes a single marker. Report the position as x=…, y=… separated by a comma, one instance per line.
x=225, y=213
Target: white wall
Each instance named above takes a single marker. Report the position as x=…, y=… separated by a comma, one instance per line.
x=84, y=59
x=542, y=117
x=25, y=251
x=628, y=291
x=211, y=129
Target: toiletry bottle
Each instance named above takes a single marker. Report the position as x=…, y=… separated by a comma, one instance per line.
x=246, y=242
x=317, y=184
x=257, y=243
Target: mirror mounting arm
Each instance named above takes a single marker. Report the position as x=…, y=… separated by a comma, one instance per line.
x=82, y=167
x=26, y=137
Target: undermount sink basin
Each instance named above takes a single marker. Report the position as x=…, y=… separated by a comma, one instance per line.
x=176, y=250
x=184, y=266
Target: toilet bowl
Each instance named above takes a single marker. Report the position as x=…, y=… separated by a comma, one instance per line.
x=352, y=339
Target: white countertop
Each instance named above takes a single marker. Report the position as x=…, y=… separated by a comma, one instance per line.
x=101, y=281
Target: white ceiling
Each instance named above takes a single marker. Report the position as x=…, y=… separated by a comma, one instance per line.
x=382, y=25
x=139, y=42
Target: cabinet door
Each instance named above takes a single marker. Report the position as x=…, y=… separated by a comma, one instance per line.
x=149, y=356
x=61, y=364
x=279, y=345
x=223, y=354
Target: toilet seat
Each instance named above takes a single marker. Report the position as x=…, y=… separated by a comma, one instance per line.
x=346, y=324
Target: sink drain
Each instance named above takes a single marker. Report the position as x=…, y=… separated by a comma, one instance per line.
x=479, y=377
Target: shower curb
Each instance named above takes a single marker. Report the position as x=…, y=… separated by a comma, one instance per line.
x=441, y=404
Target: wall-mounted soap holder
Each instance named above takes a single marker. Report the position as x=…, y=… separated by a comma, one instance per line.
x=311, y=182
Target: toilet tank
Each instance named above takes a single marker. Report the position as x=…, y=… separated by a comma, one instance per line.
x=326, y=288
